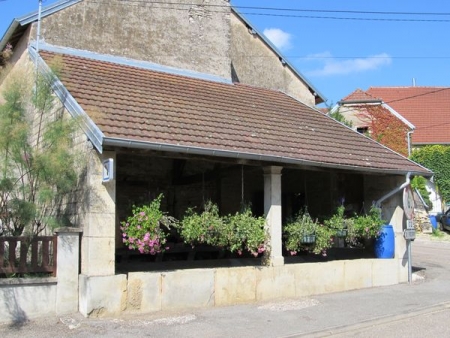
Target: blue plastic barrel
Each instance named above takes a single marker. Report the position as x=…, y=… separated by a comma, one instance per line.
x=433, y=221
x=385, y=243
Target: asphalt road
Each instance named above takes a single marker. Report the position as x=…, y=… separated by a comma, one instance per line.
x=419, y=309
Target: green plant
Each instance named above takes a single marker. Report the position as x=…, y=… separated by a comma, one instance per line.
x=437, y=159
x=238, y=232
x=142, y=230
x=303, y=226
x=246, y=232
x=338, y=116
x=437, y=233
x=365, y=226
x=338, y=224
x=207, y=227
x=37, y=161
x=419, y=183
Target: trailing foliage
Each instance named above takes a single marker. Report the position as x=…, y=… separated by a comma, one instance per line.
x=365, y=226
x=419, y=183
x=302, y=233
x=246, y=232
x=385, y=128
x=437, y=159
x=237, y=233
x=36, y=161
x=206, y=227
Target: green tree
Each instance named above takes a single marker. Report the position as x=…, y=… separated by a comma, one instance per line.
x=36, y=162
x=338, y=116
x=437, y=159
x=419, y=183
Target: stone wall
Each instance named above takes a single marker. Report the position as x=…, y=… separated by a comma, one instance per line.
x=254, y=63
x=144, y=292
x=22, y=299
x=187, y=34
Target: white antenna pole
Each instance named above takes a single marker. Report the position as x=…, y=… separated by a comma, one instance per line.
x=38, y=35
x=39, y=26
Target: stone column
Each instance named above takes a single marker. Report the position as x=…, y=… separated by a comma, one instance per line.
x=68, y=268
x=99, y=220
x=272, y=209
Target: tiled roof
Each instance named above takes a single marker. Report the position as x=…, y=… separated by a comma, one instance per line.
x=359, y=96
x=427, y=108
x=140, y=106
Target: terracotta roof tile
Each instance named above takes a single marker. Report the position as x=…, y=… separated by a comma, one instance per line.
x=143, y=105
x=427, y=108
x=359, y=95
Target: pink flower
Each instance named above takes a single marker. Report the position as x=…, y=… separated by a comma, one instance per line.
x=142, y=213
x=293, y=253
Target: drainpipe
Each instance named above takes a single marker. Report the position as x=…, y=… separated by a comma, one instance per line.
x=389, y=194
x=408, y=137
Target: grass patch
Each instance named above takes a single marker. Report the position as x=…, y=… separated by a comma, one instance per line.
x=437, y=233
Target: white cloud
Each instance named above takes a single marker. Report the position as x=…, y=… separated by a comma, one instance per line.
x=279, y=38
x=333, y=66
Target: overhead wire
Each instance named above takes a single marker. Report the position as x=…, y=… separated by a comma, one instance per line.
x=144, y=2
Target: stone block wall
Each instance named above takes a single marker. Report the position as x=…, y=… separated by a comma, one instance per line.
x=143, y=292
x=254, y=63
x=188, y=34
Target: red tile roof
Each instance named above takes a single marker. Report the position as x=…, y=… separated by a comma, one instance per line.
x=140, y=105
x=359, y=96
x=427, y=108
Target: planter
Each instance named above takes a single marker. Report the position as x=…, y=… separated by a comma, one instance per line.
x=308, y=239
x=341, y=233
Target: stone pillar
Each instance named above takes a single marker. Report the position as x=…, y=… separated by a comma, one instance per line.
x=272, y=209
x=99, y=219
x=68, y=268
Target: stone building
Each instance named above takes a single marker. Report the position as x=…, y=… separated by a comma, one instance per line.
x=169, y=96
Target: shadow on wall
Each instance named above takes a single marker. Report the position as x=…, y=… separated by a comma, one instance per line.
x=17, y=314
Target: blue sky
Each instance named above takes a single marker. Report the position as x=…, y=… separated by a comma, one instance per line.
x=338, y=54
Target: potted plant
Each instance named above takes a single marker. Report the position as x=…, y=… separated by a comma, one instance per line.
x=305, y=234
x=237, y=233
x=246, y=232
x=338, y=223
x=144, y=229
x=207, y=227
x=365, y=226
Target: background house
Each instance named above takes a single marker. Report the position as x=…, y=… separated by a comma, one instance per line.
x=424, y=112
x=172, y=98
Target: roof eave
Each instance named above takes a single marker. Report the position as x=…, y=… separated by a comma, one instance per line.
x=93, y=133
x=359, y=102
x=171, y=148
x=9, y=32
x=319, y=97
